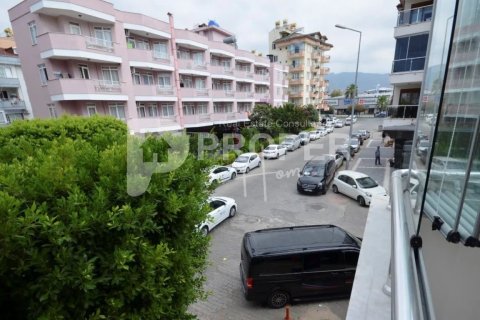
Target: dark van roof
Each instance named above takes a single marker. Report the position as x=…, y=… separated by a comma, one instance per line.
x=297, y=239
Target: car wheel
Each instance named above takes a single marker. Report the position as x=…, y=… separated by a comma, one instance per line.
x=334, y=189
x=233, y=211
x=278, y=155
x=361, y=201
x=233, y=176
x=204, y=231
x=247, y=170
x=278, y=299
x=324, y=190
x=259, y=164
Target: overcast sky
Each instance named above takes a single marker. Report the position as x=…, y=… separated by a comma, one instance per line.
x=251, y=20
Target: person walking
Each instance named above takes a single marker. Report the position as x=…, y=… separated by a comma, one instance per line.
x=377, y=156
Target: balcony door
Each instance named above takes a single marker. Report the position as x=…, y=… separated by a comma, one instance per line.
x=110, y=75
x=160, y=50
x=103, y=36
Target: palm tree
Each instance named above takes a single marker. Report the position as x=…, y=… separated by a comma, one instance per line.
x=351, y=91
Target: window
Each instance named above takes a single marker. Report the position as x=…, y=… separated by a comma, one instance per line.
x=136, y=78
x=410, y=53
x=103, y=36
x=117, y=110
x=222, y=107
x=186, y=81
x=142, y=44
x=279, y=265
x=167, y=110
x=152, y=110
x=130, y=43
x=200, y=83
x=43, y=74
x=5, y=72
x=198, y=58
x=147, y=79
x=33, y=32
x=323, y=261
x=141, y=110
x=160, y=50
x=164, y=80
x=274, y=46
x=53, y=111
x=91, y=110
x=84, y=73
x=110, y=75
x=75, y=28
x=192, y=109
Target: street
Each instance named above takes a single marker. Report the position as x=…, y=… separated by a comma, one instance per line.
x=267, y=198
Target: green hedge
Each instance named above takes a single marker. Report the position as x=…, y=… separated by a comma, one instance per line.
x=75, y=245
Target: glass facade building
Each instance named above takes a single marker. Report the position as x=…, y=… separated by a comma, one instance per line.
x=449, y=119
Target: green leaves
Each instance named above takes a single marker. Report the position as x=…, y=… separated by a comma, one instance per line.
x=75, y=245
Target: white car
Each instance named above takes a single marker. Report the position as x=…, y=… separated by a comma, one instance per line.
x=246, y=162
x=274, y=151
x=221, y=174
x=338, y=124
x=329, y=128
x=357, y=186
x=322, y=132
x=222, y=208
x=339, y=158
x=314, y=135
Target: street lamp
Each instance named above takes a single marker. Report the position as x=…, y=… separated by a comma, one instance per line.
x=356, y=88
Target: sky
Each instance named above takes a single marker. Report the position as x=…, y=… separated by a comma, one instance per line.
x=251, y=20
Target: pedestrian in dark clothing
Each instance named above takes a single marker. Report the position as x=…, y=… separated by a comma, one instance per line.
x=377, y=156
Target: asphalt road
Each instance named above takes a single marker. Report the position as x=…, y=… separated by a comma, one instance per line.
x=267, y=198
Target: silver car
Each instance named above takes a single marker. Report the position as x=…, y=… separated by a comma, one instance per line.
x=292, y=142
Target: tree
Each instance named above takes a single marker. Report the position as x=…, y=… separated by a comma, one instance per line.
x=359, y=108
x=336, y=93
x=8, y=32
x=351, y=91
x=382, y=102
x=75, y=245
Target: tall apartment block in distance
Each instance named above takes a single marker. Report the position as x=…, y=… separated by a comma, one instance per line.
x=411, y=35
x=305, y=54
x=14, y=103
x=86, y=57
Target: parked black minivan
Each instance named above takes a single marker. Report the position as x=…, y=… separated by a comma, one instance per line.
x=316, y=175
x=280, y=265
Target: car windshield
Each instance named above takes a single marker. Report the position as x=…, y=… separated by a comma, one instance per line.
x=367, y=182
x=271, y=148
x=288, y=141
x=314, y=171
x=353, y=141
x=303, y=135
x=424, y=143
x=242, y=159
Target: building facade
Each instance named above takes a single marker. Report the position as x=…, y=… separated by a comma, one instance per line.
x=86, y=58
x=305, y=55
x=412, y=32
x=15, y=102
x=425, y=244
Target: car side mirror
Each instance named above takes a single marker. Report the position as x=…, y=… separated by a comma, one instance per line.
x=354, y=186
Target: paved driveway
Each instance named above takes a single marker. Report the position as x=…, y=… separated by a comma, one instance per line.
x=267, y=197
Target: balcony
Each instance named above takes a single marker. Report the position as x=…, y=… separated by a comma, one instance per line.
x=324, y=71
x=415, y=16
x=223, y=94
x=297, y=67
x=229, y=117
x=154, y=124
x=86, y=89
x=244, y=95
x=9, y=82
x=197, y=120
x=297, y=94
x=262, y=97
x=221, y=70
x=153, y=91
x=295, y=81
x=149, y=59
x=189, y=66
x=299, y=54
x=193, y=92
x=259, y=77
x=408, y=65
x=71, y=46
x=244, y=74
x=325, y=59
x=9, y=105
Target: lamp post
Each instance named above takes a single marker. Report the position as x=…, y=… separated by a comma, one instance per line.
x=356, y=88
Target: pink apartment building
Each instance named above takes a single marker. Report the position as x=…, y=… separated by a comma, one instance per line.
x=85, y=57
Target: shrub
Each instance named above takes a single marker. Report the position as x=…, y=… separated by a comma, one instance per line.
x=75, y=245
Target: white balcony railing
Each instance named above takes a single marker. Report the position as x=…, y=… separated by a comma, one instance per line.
x=163, y=91
x=107, y=86
x=414, y=16
x=99, y=44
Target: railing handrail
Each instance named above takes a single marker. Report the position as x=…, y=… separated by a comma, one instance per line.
x=410, y=292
